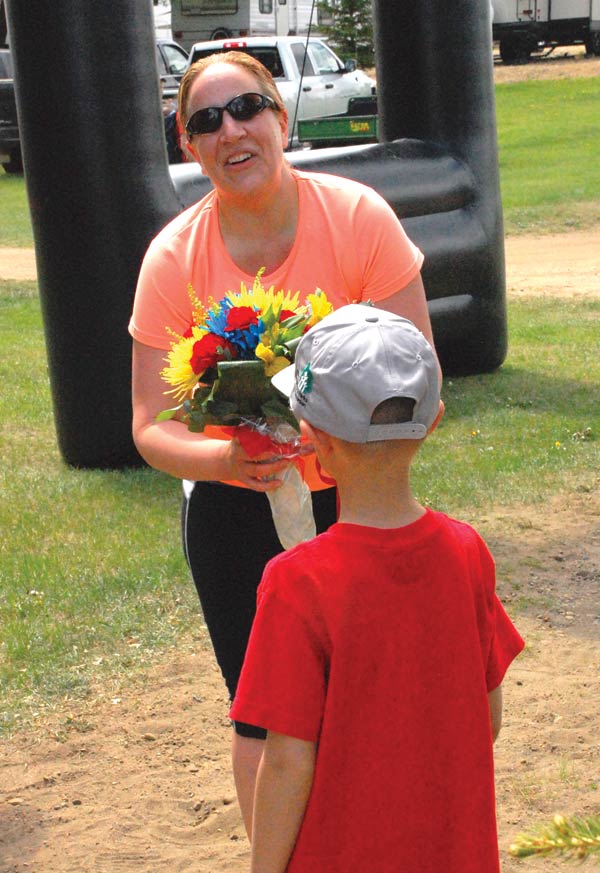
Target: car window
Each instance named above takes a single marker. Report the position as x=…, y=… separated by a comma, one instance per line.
x=298, y=51
x=176, y=59
x=324, y=59
x=267, y=55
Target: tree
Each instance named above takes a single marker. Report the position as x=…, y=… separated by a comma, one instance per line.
x=351, y=30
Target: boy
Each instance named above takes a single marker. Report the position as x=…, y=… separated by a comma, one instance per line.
x=379, y=647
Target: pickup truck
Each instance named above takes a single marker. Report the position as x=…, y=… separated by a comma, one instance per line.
x=312, y=80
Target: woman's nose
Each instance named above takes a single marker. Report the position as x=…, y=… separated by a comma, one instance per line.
x=230, y=128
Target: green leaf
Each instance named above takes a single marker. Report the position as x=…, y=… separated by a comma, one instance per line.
x=168, y=414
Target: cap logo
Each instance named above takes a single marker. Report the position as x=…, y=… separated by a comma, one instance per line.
x=304, y=384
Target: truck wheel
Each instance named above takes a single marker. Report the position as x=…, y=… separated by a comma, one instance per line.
x=592, y=43
x=15, y=164
x=515, y=49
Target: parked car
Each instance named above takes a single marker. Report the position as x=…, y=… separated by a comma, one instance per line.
x=312, y=80
x=171, y=62
x=10, y=146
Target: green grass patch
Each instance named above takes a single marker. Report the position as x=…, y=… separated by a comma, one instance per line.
x=93, y=584
x=548, y=152
x=92, y=578
x=15, y=221
x=530, y=430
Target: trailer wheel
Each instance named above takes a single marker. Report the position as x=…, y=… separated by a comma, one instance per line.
x=592, y=43
x=15, y=164
x=515, y=49
x=221, y=33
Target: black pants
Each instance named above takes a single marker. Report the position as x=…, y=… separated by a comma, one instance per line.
x=228, y=537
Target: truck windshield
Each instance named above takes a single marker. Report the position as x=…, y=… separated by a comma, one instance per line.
x=267, y=55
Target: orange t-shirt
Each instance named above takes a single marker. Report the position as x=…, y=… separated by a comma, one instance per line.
x=349, y=243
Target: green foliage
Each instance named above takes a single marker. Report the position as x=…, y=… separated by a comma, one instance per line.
x=351, y=33
x=548, y=152
x=577, y=838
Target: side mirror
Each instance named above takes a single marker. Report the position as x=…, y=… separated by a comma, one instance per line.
x=349, y=65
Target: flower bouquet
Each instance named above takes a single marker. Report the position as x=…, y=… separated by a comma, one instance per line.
x=220, y=371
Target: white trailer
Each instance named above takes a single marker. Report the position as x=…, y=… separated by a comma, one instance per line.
x=200, y=20
x=524, y=26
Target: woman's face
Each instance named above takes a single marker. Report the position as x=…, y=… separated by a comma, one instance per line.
x=242, y=158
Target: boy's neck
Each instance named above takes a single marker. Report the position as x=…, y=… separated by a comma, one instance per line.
x=378, y=499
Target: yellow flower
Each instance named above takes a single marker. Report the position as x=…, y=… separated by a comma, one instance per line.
x=198, y=308
x=278, y=363
x=179, y=372
x=273, y=363
x=319, y=306
x=265, y=353
x=260, y=298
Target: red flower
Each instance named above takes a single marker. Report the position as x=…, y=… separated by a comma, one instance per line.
x=240, y=318
x=210, y=349
x=189, y=332
x=286, y=313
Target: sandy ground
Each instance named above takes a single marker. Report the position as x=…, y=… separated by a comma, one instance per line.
x=138, y=778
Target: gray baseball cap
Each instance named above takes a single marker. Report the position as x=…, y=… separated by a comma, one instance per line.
x=353, y=360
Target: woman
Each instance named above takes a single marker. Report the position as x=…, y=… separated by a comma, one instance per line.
x=306, y=231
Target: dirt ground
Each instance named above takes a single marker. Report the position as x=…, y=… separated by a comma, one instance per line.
x=138, y=778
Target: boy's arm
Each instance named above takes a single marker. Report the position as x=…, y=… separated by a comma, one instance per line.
x=495, y=702
x=283, y=786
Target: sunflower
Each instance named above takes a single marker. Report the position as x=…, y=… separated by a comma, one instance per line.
x=179, y=373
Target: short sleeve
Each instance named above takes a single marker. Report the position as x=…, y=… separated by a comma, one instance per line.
x=282, y=684
x=390, y=259
x=505, y=645
x=161, y=300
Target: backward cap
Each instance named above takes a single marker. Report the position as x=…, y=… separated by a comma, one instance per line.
x=353, y=360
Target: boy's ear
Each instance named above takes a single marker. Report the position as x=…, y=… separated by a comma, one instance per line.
x=438, y=418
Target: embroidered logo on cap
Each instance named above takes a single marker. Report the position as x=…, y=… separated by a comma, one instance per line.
x=304, y=384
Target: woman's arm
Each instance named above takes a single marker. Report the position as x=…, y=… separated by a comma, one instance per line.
x=410, y=302
x=170, y=447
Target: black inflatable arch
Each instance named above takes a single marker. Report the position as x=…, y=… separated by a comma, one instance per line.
x=100, y=187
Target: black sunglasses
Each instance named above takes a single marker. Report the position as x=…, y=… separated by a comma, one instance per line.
x=241, y=108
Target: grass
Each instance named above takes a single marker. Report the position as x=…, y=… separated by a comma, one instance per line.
x=93, y=585
x=548, y=150
x=92, y=579
x=15, y=221
x=549, y=167
x=528, y=430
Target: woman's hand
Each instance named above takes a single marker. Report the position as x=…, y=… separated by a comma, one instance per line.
x=260, y=473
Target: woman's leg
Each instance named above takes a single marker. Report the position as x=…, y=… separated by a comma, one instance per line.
x=229, y=536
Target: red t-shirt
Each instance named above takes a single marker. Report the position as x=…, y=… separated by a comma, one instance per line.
x=382, y=645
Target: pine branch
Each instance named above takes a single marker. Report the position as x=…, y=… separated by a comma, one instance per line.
x=575, y=838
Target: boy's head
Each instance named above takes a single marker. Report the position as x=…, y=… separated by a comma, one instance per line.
x=364, y=375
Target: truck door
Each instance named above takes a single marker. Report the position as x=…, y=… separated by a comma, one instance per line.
x=311, y=87
x=334, y=89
